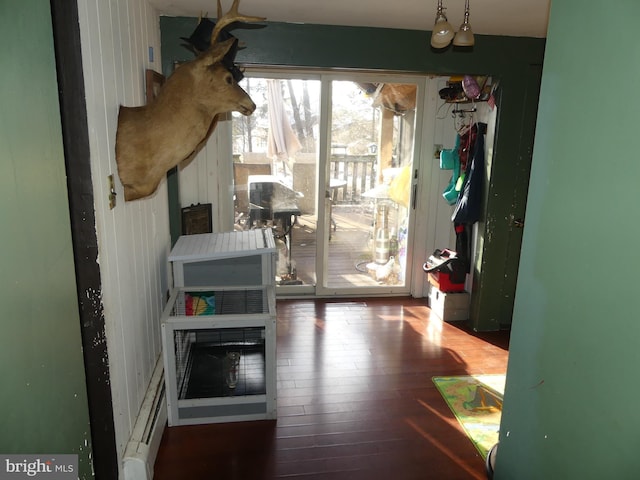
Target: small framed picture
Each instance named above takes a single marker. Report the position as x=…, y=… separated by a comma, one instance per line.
x=196, y=219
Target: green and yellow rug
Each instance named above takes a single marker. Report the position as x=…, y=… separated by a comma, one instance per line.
x=476, y=401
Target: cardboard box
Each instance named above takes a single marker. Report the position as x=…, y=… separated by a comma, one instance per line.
x=449, y=306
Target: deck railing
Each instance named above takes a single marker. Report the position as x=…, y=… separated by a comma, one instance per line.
x=351, y=176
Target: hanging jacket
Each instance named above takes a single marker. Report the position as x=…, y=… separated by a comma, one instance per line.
x=468, y=207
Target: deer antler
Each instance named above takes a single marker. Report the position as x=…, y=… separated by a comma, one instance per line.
x=228, y=18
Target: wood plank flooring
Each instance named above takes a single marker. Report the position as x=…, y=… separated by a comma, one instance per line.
x=355, y=400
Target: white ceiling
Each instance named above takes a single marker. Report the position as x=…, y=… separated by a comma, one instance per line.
x=519, y=18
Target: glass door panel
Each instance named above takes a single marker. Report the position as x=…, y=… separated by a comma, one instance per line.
x=369, y=184
x=275, y=170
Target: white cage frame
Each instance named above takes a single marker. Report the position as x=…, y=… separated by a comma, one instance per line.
x=222, y=408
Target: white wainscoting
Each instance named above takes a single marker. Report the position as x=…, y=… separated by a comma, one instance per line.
x=208, y=178
x=133, y=238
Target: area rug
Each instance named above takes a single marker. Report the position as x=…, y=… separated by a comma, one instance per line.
x=476, y=401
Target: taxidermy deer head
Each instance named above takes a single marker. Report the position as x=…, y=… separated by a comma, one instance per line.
x=154, y=138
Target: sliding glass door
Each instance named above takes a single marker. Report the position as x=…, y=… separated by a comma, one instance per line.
x=326, y=161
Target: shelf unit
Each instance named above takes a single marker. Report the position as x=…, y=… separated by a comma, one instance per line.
x=200, y=326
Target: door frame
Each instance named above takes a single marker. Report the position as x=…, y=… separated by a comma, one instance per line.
x=75, y=138
x=424, y=104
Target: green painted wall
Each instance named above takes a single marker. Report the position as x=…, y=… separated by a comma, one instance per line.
x=508, y=59
x=43, y=395
x=571, y=401
x=306, y=45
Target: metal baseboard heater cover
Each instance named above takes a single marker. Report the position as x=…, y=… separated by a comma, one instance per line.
x=142, y=448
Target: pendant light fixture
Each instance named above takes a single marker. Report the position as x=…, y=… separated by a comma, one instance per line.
x=442, y=30
x=464, y=37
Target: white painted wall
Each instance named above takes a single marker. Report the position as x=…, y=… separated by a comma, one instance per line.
x=134, y=237
x=208, y=178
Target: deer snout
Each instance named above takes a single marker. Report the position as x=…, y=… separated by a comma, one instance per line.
x=247, y=107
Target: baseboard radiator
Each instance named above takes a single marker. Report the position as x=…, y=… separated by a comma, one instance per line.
x=141, y=451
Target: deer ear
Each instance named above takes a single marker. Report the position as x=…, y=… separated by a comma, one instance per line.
x=219, y=50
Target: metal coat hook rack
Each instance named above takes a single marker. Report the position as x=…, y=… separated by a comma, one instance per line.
x=462, y=112
x=462, y=118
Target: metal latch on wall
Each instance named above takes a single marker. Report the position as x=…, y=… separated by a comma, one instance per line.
x=112, y=192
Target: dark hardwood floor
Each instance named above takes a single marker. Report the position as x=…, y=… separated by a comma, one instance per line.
x=355, y=400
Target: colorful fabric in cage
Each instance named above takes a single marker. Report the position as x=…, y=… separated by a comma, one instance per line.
x=200, y=303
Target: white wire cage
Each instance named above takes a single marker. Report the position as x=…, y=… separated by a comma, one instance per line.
x=219, y=353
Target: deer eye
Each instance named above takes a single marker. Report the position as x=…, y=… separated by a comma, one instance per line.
x=229, y=79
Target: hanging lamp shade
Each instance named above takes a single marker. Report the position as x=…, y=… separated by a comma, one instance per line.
x=442, y=33
x=464, y=36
